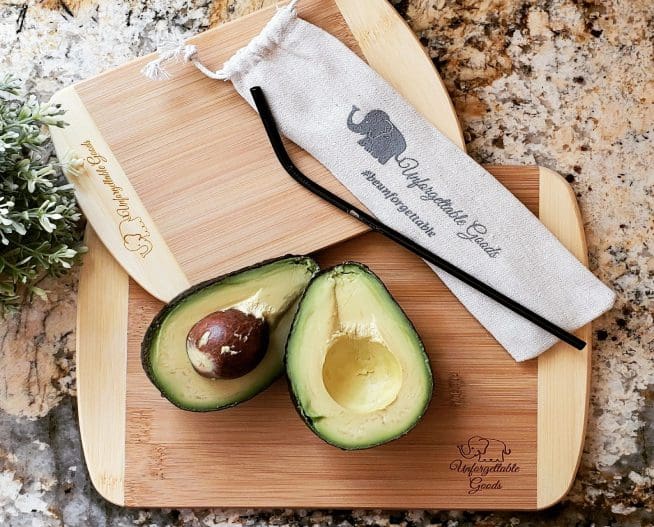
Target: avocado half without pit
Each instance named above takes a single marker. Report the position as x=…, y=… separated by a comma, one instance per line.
x=222, y=341
x=357, y=369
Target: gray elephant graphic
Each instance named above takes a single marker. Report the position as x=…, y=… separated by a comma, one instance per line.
x=136, y=236
x=381, y=138
x=484, y=449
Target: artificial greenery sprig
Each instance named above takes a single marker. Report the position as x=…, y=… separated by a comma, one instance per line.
x=40, y=230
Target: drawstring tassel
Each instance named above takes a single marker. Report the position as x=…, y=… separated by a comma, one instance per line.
x=169, y=51
x=179, y=51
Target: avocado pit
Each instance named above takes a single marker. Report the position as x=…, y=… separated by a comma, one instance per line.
x=227, y=344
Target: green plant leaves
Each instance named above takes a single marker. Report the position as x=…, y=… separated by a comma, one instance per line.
x=40, y=231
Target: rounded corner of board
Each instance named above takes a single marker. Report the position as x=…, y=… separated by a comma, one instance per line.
x=559, y=211
x=64, y=94
x=554, y=496
x=555, y=180
x=552, y=182
x=110, y=488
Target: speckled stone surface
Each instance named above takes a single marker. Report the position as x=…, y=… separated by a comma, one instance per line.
x=568, y=84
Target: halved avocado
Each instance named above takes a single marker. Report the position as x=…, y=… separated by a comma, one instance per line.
x=357, y=369
x=271, y=289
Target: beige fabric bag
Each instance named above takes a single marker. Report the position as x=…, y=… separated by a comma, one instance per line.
x=332, y=104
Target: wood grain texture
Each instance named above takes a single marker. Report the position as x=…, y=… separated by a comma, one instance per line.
x=101, y=363
x=113, y=207
x=563, y=373
x=260, y=454
x=197, y=156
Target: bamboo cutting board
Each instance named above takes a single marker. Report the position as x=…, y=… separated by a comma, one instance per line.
x=196, y=178
x=142, y=451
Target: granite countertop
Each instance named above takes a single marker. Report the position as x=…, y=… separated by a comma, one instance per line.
x=568, y=84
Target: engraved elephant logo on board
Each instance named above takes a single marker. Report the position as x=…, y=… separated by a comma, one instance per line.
x=381, y=138
x=136, y=236
x=484, y=450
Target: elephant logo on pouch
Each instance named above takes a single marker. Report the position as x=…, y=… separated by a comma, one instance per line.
x=484, y=450
x=136, y=236
x=381, y=139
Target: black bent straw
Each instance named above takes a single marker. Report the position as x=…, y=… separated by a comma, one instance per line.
x=278, y=146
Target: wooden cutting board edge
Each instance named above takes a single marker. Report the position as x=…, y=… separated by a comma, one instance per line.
x=563, y=374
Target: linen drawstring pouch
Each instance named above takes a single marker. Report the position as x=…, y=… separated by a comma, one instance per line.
x=412, y=178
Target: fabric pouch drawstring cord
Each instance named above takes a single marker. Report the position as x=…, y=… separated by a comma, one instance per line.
x=180, y=51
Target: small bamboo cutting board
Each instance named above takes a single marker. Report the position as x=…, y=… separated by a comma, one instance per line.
x=178, y=171
x=525, y=422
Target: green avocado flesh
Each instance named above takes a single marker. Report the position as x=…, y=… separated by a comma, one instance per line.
x=357, y=368
x=271, y=289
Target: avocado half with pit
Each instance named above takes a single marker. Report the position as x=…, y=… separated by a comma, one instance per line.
x=202, y=350
x=357, y=369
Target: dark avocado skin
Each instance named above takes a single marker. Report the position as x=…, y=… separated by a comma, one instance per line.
x=308, y=421
x=154, y=326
